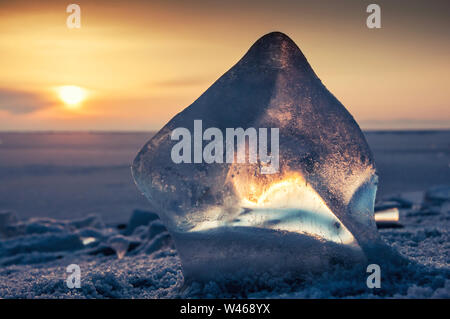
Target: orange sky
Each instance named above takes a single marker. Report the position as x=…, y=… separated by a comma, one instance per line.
x=142, y=62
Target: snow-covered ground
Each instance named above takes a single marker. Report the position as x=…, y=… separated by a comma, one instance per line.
x=138, y=260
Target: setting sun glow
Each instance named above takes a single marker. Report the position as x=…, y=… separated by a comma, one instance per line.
x=142, y=62
x=71, y=95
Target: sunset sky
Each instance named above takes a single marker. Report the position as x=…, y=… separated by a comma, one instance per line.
x=139, y=63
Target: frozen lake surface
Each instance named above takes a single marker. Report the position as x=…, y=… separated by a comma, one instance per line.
x=70, y=175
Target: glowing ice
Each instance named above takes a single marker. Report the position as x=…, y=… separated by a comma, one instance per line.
x=120, y=245
x=229, y=219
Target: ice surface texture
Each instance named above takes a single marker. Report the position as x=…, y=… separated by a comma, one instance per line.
x=229, y=218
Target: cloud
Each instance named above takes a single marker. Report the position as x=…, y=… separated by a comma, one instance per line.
x=20, y=102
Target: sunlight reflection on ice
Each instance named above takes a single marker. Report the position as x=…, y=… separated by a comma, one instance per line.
x=288, y=205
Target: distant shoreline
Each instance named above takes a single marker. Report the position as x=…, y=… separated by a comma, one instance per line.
x=372, y=131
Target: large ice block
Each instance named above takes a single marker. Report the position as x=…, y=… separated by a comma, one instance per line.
x=229, y=219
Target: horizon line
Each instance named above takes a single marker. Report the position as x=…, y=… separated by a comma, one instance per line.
x=411, y=130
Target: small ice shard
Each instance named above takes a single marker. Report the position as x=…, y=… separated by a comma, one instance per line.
x=156, y=228
x=229, y=219
x=88, y=240
x=119, y=244
x=139, y=218
x=388, y=218
x=159, y=242
x=92, y=221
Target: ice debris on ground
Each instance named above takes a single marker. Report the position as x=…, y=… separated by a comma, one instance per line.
x=43, y=239
x=34, y=265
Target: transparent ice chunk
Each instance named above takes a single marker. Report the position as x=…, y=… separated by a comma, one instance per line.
x=230, y=218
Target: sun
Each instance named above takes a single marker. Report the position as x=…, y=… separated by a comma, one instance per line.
x=71, y=95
